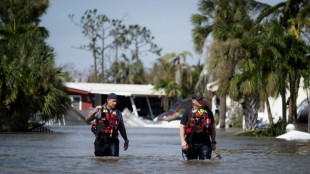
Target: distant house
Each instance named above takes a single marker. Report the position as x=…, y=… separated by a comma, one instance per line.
x=142, y=100
x=275, y=104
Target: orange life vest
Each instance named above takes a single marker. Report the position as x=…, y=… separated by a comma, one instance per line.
x=198, y=122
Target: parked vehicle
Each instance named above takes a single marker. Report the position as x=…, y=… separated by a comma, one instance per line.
x=177, y=110
x=172, y=113
x=302, y=111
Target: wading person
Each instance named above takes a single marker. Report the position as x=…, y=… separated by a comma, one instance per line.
x=109, y=121
x=196, y=128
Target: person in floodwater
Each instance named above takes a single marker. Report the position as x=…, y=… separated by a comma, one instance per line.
x=196, y=127
x=108, y=122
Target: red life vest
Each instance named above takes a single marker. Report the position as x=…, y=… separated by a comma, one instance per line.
x=108, y=123
x=198, y=122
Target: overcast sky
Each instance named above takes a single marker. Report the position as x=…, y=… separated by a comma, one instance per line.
x=168, y=21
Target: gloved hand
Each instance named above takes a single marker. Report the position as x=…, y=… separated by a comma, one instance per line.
x=94, y=129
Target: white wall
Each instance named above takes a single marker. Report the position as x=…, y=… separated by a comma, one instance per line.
x=276, y=105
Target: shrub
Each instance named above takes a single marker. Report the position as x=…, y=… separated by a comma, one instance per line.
x=216, y=119
x=273, y=131
x=237, y=121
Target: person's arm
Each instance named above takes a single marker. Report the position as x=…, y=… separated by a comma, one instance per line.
x=183, y=122
x=122, y=131
x=182, y=137
x=213, y=137
x=213, y=133
x=90, y=117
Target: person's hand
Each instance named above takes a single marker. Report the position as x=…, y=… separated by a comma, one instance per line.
x=213, y=146
x=98, y=108
x=184, y=145
x=126, y=145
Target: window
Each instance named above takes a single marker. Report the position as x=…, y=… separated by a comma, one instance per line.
x=76, y=101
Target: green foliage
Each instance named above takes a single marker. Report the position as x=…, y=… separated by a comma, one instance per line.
x=29, y=82
x=216, y=120
x=32, y=85
x=237, y=121
x=174, y=76
x=228, y=22
x=129, y=71
x=109, y=38
x=139, y=39
x=273, y=131
x=189, y=83
x=287, y=41
x=253, y=61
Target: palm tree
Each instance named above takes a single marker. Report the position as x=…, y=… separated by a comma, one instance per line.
x=168, y=75
x=165, y=68
x=179, y=62
x=255, y=81
x=294, y=18
x=190, y=76
x=20, y=17
x=226, y=20
x=128, y=71
x=30, y=84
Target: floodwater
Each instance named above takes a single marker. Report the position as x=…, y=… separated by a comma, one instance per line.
x=69, y=149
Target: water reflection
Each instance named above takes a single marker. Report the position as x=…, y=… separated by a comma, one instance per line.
x=151, y=150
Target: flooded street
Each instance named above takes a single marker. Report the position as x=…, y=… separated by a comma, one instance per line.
x=69, y=149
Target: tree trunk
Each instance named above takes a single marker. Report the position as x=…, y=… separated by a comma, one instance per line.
x=269, y=113
x=308, y=111
x=308, y=116
x=290, y=118
x=116, y=43
x=116, y=51
x=93, y=45
x=294, y=83
x=178, y=75
x=102, y=57
x=222, y=111
x=283, y=95
x=297, y=81
x=95, y=65
x=250, y=111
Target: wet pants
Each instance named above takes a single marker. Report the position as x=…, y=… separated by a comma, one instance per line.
x=199, y=150
x=106, y=147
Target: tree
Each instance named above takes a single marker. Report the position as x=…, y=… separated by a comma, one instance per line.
x=19, y=17
x=129, y=71
x=95, y=29
x=166, y=79
x=255, y=81
x=182, y=69
x=190, y=77
x=136, y=41
x=294, y=18
x=227, y=21
x=168, y=73
x=140, y=41
x=30, y=84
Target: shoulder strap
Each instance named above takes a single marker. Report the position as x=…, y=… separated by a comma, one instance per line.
x=208, y=111
x=189, y=115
